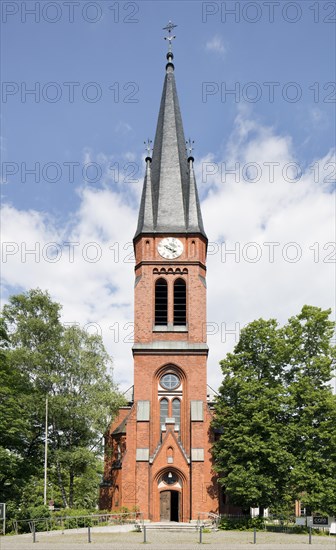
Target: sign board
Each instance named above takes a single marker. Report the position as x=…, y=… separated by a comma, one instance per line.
x=3, y=516
x=321, y=520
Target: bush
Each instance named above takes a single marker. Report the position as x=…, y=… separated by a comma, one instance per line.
x=29, y=513
x=67, y=518
x=73, y=517
x=241, y=523
x=34, y=512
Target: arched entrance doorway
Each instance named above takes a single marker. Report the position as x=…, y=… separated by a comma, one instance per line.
x=170, y=506
x=170, y=497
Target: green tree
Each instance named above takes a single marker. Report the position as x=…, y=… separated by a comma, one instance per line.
x=83, y=400
x=250, y=455
x=35, y=330
x=17, y=434
x=272, y=448
x=72, y=369
x=312, y=408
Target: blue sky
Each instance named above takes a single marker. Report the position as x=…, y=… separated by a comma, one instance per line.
x=114, y=52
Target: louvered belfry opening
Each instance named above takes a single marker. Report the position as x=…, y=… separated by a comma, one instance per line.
x=161, y=302
x=180, y=302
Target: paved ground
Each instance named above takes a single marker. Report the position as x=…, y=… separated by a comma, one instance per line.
x=163, y=540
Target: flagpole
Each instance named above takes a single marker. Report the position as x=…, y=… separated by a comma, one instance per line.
x=45, y=453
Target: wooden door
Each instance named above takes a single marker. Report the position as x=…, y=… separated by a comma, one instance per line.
x=165, y=502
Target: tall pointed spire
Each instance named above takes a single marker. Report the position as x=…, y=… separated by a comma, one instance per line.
x=146, y=220
x=195, y=222
x=170, y=181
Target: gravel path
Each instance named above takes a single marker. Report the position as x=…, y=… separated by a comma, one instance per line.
x=166, y=540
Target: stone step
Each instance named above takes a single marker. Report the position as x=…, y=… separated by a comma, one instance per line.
x=172, y=526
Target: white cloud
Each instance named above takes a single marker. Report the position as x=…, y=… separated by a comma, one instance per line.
x=216, y=45
x=91, y=278
x=250, y=283
x=130, y=156
x=296, y=215
x=110, y=171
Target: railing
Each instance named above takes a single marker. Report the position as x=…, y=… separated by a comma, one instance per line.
x=208, y=519
x=76, y=522
x=247, y=515
x=271, y=523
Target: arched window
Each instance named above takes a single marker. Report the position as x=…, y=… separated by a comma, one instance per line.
x=193, y=253
x=161, y=302
x=170, y=381
x=163, y=411
x=170, y=478
x=180, y=302
x=170, y=455
x=116, y=496
x=177, y=411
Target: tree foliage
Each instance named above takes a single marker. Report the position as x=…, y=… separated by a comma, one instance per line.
x=276, y=414
x=17, y=434
x=41, y=358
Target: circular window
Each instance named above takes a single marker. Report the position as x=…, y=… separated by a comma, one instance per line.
x=170, y=478
x=169, y=381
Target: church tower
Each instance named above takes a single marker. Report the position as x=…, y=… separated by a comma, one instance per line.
x=158, y=454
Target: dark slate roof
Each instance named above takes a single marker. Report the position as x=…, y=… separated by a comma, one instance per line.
x=169, y=202
x=121, y=429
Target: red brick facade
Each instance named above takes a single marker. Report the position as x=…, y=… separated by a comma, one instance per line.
x=146, y=461
x=158, y=450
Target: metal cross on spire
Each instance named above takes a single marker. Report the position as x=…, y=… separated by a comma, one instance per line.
x=148, y=144
x=170, y=37
x=189, y=147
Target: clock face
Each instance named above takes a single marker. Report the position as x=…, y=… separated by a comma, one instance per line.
x=170, y=248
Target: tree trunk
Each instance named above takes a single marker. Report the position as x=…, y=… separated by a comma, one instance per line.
x=60, y=484
x=71, y=488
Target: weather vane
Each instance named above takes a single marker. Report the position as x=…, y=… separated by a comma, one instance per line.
x=170, y=37
x=190, y=146
x=148, y=144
